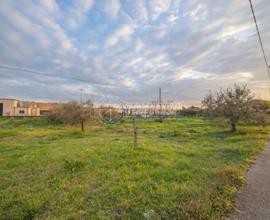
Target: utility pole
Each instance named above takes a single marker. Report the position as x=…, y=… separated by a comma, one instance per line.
x=81, y=95
x=159, y=101
x=160, y=106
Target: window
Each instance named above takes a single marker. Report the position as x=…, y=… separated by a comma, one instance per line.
x=21, y=112
x=44, y=112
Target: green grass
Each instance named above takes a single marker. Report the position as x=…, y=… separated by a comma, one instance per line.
x=184, y=169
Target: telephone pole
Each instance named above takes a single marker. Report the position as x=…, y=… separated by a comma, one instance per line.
x=160, y=104
x=81, y=95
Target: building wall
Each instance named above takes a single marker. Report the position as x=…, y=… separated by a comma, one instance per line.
x=21, y=111
x=35, y=112
x=9, y=106
x=12, y=107
x=46, y=108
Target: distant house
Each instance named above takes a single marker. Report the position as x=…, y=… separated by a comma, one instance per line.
x=13, y=107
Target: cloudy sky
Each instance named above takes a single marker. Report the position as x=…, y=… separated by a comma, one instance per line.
x=124, y=50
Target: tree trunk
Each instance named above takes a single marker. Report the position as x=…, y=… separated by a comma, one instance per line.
x=82, y=126
x=135, y=133
x=233, y=128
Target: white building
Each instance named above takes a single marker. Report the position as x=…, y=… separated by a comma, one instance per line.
x=13, y=107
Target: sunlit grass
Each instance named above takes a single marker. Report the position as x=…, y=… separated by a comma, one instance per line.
x=183, y=169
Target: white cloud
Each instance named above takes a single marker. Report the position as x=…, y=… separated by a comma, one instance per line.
x=237, y=76
x=51, y=6
x=235, y=30
x=189, y=73
x=58, y=34
x=135, y=61
x=161, y=33
x=158, y=7
x=172, y=19
x=86, y=4
x=76, y=14
x=65, y=64
x=122, y=34
x=24, y=28
x=92, y=46
x=129, y=83
x=139, y=46
x=112, y=7
x=199, y=13
x=137, y=10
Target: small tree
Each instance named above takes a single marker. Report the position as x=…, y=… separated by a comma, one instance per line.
x=232, y=103
x=73, y=113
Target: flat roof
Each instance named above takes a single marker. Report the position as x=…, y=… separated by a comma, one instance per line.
x=8, y=99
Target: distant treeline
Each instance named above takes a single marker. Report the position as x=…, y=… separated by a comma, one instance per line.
x=191, y=111
x=259, y=105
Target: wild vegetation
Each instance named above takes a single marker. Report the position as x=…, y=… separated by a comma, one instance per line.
x=187, y=168
x=236, y=104
x=74, y=113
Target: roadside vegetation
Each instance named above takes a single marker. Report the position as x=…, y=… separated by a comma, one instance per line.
x=187, y=168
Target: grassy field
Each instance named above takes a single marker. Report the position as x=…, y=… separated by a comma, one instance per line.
x=56, y=172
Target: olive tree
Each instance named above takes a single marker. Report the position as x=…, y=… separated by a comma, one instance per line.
x=73, y=113
x=232, y=103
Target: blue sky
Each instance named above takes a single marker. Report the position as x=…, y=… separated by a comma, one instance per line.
x=131, y=48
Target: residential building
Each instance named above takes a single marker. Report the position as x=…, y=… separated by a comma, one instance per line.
x=13, y=107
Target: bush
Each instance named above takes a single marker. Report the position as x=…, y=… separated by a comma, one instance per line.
x=191, y=111
x=261, y=119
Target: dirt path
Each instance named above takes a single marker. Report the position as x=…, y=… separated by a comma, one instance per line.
x=253, y=200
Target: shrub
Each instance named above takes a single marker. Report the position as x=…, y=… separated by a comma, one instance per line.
x=261, y=118
x=191, y=111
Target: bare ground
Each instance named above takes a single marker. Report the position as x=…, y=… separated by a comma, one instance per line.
x=253, y=200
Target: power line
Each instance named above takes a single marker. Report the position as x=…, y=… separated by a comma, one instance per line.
x=54, y=76
x=260, y=39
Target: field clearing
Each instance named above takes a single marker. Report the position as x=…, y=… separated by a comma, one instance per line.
x=187, y=168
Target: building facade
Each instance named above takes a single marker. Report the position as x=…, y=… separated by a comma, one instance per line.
x=13, y=107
